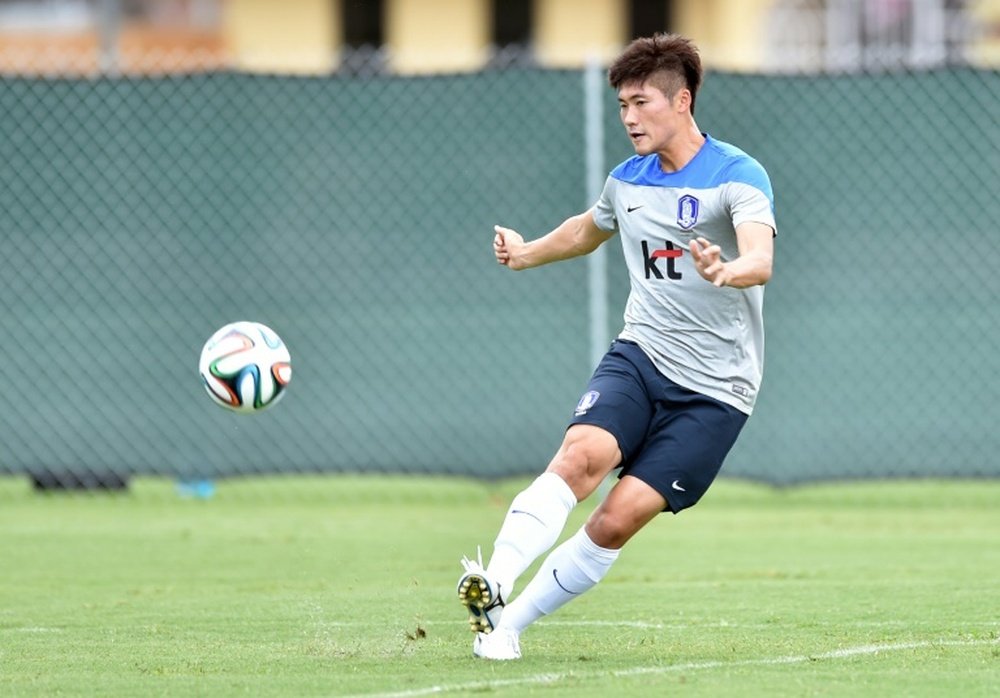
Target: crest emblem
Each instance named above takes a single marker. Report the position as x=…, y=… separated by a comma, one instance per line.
x=588, y=400
x=687, y=211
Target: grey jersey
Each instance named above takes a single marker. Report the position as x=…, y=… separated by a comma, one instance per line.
x=707, y=339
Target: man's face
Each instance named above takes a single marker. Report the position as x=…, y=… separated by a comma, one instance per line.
x=650, y=118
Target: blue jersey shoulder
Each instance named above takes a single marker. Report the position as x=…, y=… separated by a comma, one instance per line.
x=717, y=163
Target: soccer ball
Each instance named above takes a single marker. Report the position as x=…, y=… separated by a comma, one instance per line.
x=245, y=366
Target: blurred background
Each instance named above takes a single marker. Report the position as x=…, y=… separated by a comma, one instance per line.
x=333, y=168
x=75, y=37
x=319, y=37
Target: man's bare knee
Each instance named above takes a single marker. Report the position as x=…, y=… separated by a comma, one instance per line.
x=586, y=456
x=627, y=508
x=608, y=530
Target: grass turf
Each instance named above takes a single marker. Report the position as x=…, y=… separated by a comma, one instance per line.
x=345, y=586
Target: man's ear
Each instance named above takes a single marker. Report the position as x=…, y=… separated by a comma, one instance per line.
x=682, y=100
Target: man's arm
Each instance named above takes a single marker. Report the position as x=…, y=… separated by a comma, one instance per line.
x=753, y=266
x=575, y=236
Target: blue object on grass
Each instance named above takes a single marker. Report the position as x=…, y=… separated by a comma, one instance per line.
x=196, y=489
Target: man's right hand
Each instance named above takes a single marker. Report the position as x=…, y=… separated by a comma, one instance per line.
x=507, y=246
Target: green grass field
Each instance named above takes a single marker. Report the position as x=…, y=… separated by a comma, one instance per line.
x=345, y=586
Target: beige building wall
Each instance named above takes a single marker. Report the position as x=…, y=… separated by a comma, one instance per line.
x=986, y=50
x=300, y=36
x=429, y=36
x=568, y=32
x=729, y=33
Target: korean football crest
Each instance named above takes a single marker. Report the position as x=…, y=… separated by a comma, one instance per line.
x=687, y=211
x=588, y=400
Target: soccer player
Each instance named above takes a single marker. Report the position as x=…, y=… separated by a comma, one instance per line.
x=695, y=217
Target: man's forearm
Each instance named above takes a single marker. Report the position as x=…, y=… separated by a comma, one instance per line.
x=573, y=237
x=752, y=269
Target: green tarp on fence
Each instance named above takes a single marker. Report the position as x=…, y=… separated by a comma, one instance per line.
x=354, y=216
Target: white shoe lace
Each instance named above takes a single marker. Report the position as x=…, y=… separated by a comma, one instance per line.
x=476, y=565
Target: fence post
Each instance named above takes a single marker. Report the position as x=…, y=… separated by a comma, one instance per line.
x=110, y=19
x=593, y=130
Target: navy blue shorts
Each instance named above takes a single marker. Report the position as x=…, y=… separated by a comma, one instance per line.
x=671, y=438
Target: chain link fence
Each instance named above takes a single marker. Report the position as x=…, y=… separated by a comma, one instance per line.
x=354, y=216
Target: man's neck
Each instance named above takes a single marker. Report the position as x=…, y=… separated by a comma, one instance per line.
x=681, y=149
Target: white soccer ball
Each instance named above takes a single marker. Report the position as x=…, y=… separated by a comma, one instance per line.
x=245, y=367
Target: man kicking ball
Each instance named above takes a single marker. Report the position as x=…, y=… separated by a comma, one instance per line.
x=695, y=217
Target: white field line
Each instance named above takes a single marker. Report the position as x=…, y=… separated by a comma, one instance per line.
x=542, y=679
x=645, y=625
x=36, y=629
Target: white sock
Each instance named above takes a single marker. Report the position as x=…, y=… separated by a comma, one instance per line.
x=572, y=568
x=533, y=524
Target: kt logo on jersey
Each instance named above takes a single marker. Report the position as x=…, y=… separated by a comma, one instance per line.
x=669, y=253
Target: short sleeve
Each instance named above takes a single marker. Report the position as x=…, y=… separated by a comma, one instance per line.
x=749, y=194
x=604, y=209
